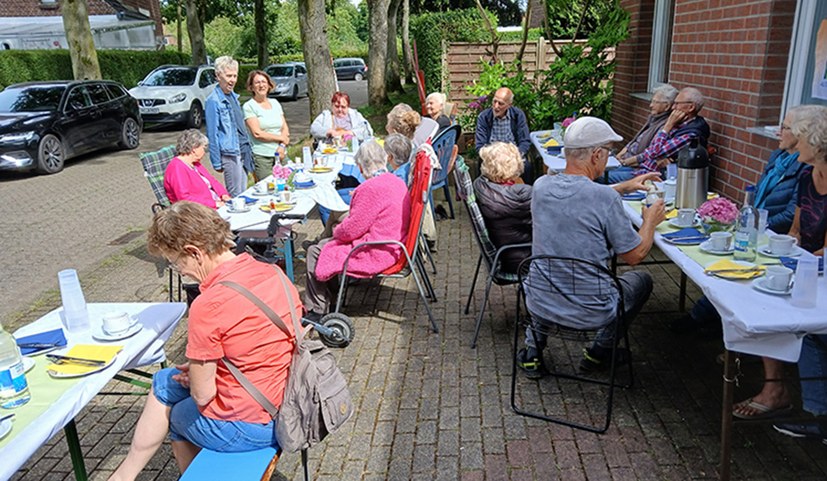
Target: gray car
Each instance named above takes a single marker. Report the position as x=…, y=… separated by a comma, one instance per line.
x=290, y=79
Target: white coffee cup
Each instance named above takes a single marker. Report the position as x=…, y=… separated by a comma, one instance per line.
x=670, y=188
x=115, y=322
x=778, y=278
x=238, y=203
x=719, y=241
x=285, y=196
x=781, y=244
x=686, y=217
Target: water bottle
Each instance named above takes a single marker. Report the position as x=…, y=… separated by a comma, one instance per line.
x=307, y=158
x=14, y=391
x=354, y=143
x=746, y=234
x=75, y=314
x=805, y=286
x=276, y=164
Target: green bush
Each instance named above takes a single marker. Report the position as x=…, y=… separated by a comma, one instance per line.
x=124, y=66
x=430, y=29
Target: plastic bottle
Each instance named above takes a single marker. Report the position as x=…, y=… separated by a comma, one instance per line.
x=14, y=391
x=805, y=286
x=746, y=233
x=75, y=314
x=276, y=165
x=307, y=158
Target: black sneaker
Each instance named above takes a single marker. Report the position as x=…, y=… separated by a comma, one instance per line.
x=594, y=361
x=533, y=366
x=812, y=429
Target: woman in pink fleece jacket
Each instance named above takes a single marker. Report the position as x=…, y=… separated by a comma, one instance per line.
x=185, y=177
x=379, y=210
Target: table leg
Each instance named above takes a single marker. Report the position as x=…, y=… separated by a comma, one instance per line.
x=682, y=298
x=76, y=454
x=726, y=416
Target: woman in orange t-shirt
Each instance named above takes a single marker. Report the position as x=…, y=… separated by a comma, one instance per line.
x=200, y=403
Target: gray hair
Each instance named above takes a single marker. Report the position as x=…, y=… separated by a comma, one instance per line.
x=667, y=92
x=222, y=64
x=189, y=140
x=580, y=154
x=501, y=162
x=811, y=126
x=399, y=148
x=438, y=96
x=371, y=157
x=695, y=96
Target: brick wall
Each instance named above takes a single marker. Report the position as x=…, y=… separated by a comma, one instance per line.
x=735, y=52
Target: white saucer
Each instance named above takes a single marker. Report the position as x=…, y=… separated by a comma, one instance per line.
x=100, y=335
x=759, y=284
x=259, y=194
x=28, y=364
x=674, y=223
x=5, y=427
x=706, y=246
x=241, y=211
x=764, y=250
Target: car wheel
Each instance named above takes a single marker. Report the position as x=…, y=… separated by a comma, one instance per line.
x=295, y=93
x=130, y=134
x=358, y=77
x=50, y=155
x=196, y=116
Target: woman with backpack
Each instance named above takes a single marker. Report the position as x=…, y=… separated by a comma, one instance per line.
x=200, y=403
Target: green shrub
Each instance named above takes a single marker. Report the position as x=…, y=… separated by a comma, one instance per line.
x=124, y=66
x=430, y=29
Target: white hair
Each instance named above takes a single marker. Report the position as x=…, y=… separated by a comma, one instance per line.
x=222, y=64
x=695, y=96
x=810, y=126
x=438, y=96
x=667, y=92
x=371, y=157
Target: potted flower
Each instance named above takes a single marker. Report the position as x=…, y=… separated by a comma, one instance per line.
x=718, y=214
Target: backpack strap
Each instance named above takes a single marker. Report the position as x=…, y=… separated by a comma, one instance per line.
x=237, y=374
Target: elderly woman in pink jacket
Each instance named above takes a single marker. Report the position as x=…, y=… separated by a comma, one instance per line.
x=187, y=179
x=379, y=210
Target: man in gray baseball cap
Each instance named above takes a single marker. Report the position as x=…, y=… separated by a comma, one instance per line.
x=575, y=217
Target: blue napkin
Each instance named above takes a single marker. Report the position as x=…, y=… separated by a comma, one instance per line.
x=304, y=185
x=247, y=200
x=634, y=196
x=686, y=237
x=792, y=263
x=49, y=337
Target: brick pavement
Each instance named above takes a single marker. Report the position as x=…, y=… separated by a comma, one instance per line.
x=430, y=408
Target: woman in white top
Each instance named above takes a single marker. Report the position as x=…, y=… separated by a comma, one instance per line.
x=267, y=124
x=340, y=121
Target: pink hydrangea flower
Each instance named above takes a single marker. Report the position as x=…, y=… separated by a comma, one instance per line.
x=720, y=210
x=568, y=121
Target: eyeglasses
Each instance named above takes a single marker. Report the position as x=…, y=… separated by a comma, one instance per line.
x=173, y=264
x=785, y=127
x=341, y=106
x=609, y=150
x=660, y=101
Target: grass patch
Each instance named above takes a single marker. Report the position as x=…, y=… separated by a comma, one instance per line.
x=377, y=116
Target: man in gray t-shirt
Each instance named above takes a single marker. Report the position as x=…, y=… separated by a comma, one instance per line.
x=575, y=217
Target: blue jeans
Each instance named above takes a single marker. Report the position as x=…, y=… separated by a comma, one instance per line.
x=813, y=363
x=186, y=423
x=620, y=174
x=703, y=312
x=235, y=178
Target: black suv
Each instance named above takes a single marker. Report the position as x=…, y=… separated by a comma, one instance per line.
x=350, y=68
x=42, y=124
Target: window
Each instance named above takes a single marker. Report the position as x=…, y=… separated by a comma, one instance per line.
x=115, y=91
x=78, y=98
x=98, y=94
x=806, y=81
x=661, y=44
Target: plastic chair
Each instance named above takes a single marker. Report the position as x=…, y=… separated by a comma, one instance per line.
x=574, y=282
x=488, y=252
x=445, y=146
x=411, y=261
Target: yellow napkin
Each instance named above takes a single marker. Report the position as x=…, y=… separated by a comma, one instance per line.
x=672, y=214
x=551, y=143
x=380, y=141
x=95, y=352
x=727, y=265
x=711, y=195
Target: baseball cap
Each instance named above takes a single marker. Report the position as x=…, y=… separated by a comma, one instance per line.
x=589, y=132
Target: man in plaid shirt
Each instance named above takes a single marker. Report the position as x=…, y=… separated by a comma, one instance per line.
x=683, y=125
x=503, y=122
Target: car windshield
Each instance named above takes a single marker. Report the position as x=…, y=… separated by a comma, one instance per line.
x=31, y=99
x=281, y=71
x=169, y=77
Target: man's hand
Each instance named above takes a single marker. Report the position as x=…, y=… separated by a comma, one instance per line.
x=636, y=183
x=654, y=214
x=183, y=378
x=676, y=118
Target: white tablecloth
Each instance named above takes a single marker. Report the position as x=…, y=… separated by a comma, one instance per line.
x=556, y=162
x=158, y=321
x=753, y=322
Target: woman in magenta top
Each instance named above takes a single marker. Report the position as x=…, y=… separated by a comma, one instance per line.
x=185, y=177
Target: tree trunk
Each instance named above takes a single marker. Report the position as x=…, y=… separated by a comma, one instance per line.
x=378, y=48
x=392, y=80
x=196, y=32
x=407, y=56
x=179, y=38
x=320, y=75
x=261, y=34
x=79, y=38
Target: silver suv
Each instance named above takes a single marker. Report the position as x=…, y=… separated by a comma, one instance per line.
x=290, y=79
x=175, y=94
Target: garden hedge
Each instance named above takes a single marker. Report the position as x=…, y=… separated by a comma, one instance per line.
x=430, y=29
x=125, y=66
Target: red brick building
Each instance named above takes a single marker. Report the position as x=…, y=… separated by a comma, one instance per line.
x=752, y=59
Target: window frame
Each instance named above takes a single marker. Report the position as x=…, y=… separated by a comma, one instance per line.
x=661, y=49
